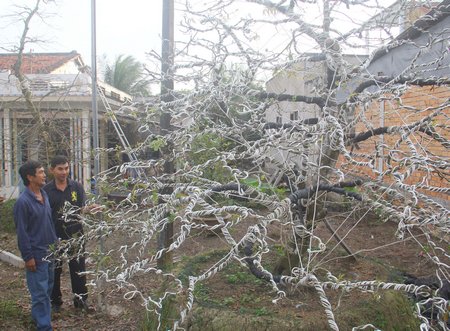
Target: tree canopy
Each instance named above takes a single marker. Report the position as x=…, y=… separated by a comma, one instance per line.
x=332, y=122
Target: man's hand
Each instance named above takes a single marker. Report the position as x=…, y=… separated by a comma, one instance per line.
x=31, y=265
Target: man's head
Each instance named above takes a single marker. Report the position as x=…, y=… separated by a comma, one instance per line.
x=32, y=172
x=59, y=167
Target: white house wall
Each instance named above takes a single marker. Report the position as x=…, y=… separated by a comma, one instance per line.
x=8, y=188
x=67, y=68
x=301, y=79
x=46, y=84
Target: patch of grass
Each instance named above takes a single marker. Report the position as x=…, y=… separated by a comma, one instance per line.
x=192, y=266
x=248, y=298
x=228, y=301
x=13, y=284
x=12, y=317
x=236, y=274
x=8, y=310
x=7, y=216
x=237, y=278
x=387, y=310
x=263, y=311
x=202, y=295
x=201, y=292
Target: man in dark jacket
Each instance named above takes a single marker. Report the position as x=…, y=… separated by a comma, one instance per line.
x=36, y=237
x=60, y=190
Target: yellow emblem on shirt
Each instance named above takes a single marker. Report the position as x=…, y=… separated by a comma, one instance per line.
x=74, y=196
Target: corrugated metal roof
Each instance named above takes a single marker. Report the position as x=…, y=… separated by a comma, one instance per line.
x=438, y=13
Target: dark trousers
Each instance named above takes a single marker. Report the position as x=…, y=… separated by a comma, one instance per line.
x=78, y=282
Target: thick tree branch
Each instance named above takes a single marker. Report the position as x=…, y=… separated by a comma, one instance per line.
x=319, y=101
x=271, y=125
x=352, y=139
x=382, y=80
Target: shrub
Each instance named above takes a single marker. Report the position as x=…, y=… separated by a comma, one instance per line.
x=206, y=147
x=6, y=216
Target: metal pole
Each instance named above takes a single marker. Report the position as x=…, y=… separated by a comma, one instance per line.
x=94, y=91
x=101, y=303
x=167, y=59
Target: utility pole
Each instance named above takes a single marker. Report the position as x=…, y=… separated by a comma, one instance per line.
x=167, y=60
x=101, y=302
x=94, y=90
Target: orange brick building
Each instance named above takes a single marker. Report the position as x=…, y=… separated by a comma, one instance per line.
x=405, y=153
x=410, y=99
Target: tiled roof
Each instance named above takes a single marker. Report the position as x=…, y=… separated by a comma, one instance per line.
x=38, y=63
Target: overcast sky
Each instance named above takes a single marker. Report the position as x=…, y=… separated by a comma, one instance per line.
x=131, y=27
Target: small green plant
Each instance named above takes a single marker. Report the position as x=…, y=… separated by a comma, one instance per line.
x=279, y=250
x=232, y=279
x=239, y=277
x=157, y=144
x=265, y=187
x=353, y=189
x=201, y=292
x=261, y=311
x=228, y=301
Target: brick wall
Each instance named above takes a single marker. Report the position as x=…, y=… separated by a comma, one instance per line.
x=412, y=106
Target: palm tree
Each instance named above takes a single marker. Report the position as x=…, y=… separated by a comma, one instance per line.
x=126, y=74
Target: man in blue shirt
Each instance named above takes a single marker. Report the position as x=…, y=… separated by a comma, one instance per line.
x=36, y=239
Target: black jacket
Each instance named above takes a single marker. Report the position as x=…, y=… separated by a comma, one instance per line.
x=75, y=195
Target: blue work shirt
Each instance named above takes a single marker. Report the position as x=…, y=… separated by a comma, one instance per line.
x=34, y=226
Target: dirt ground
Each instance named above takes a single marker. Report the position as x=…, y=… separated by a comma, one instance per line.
x=380, y=255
